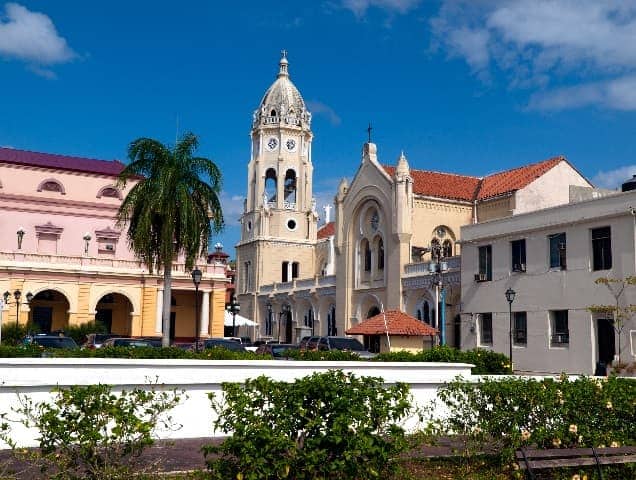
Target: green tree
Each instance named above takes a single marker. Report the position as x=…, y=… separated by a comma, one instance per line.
x=172, y=209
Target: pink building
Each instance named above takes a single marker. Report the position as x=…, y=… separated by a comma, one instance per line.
x=60, y=244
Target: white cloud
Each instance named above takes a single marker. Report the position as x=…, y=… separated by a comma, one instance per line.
x=360, y=7
x=32, y=37
x=588, y=45
x=614, y=178
x=232, y=207
x=319, y=108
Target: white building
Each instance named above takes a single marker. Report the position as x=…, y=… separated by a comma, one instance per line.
x=551, y=259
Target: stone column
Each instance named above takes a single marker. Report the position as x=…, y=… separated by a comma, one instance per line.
x=159, y=312
x=205, y=314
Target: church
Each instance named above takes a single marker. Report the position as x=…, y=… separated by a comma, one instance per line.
x=394, y=243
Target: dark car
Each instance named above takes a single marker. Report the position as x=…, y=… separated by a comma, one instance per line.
x=51, y=341
x=276, y=350
x=222, y=343
x=346, y=344
x=95, y=340
x=126, y=342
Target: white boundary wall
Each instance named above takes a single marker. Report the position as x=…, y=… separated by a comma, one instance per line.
x=36, y=377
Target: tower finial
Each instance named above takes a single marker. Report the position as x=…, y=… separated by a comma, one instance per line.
x=369, y=128
x=282, y=72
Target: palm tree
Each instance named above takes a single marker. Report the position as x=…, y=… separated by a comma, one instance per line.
x=171, y=209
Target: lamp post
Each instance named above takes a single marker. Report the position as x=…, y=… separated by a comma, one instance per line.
x=510, y=296
x=233, y=307
x=196, y=279
x=438, y=266
x=17, y=295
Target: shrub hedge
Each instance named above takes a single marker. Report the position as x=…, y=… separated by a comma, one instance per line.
x=548, y=413
x=486, y=362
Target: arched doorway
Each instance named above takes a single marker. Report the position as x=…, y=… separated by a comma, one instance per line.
x=48, y=311
x=113, y=313
x=373, y=311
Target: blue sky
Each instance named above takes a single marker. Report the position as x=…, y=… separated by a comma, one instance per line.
x=464, y=86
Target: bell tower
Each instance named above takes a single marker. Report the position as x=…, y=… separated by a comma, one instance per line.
x=279, y=220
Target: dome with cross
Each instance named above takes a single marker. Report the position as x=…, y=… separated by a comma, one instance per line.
x=282, y=103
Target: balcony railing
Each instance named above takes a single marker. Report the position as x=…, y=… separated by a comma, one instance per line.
x=424, y=268
x=73, y=261
x=299, y=285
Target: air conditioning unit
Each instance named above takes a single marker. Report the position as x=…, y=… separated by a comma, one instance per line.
x=480, y=277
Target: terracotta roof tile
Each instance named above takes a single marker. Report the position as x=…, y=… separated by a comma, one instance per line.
x=467, y=188
x=62, y=162
x=397, y=323
x=327, y=230
x=441, y=185
x=515, y=179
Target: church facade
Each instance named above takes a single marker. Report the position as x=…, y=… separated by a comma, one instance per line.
x=394, y=243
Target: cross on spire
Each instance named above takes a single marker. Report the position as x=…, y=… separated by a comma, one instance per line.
x=283, y=54
x=369, y=128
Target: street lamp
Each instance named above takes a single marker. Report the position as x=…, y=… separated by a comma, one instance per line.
x=268, y=323
x=510, y=296
x=233, y=307
x=17, y=295
x=438, y=266
x=20, y=234
x=87, y=239
x=285, y=309
x=196, y=279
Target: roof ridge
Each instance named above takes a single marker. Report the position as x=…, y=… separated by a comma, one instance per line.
x=61, y=155
x=438, y=172
x=527, y=165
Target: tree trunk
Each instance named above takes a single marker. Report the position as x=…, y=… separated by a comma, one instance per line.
x=167, y=304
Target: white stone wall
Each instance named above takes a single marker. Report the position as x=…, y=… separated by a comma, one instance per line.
x=36, y=377
x=541, y=289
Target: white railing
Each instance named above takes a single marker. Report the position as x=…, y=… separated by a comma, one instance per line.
x=110, y=263
x=424, y=268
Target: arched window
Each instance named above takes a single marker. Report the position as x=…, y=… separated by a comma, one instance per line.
x=380, y=254
x=270, y=185
x=447, y=248
x=373, y=311
x=290, y=189
x=309, y=318
x=285, y=272
x=426, y=317
x=51, y=185
x=435, y=247
x=272, y=113
x=366, y=254
x=110, y=192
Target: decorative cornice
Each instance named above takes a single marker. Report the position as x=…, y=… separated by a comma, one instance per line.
x=107, y=234
x=48, y=229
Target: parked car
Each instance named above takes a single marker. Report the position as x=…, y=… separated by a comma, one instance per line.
x=276, y=350
x=51, y=341
x=95, y=340
x=222, y=343
x=154, y=341
x=345, y=344
x=126, y=342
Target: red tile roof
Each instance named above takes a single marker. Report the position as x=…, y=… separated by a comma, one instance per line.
x=397, y=323
x=62, y=162
x=467, y=188
x=515, y=179
x=327, y=230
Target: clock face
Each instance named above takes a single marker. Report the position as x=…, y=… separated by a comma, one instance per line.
x=272, y=143
x=290, y=144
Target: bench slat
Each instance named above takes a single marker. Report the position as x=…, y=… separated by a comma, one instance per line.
x=573, y=452
x=577, y=462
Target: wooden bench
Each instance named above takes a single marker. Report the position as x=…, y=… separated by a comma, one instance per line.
x=537, y=459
